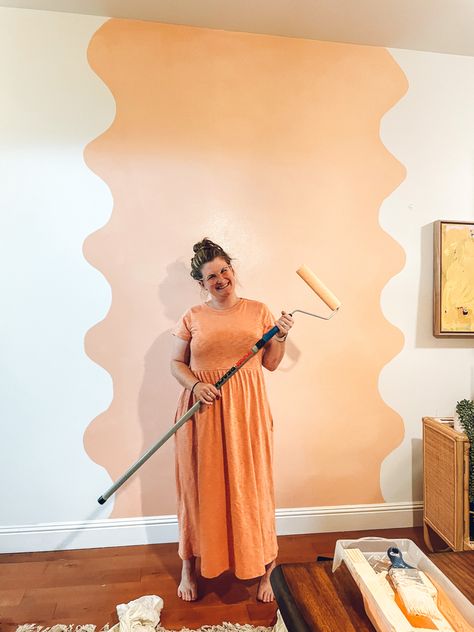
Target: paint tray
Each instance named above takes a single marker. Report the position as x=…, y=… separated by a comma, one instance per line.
x=381, y=603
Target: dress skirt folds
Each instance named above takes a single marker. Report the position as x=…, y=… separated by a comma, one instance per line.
x=224, y=474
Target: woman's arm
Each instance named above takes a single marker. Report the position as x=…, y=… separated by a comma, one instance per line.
x=180, y=357
x=274, y=350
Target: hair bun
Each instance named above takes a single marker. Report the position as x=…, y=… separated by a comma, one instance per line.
x=206, y=244
x=197, y=247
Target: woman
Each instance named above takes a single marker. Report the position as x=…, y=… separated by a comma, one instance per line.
x=226, y=508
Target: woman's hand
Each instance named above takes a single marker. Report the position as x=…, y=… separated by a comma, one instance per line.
x=206, y=393
x=284, y=324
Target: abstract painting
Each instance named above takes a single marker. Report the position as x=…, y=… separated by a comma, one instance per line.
x=453, y=314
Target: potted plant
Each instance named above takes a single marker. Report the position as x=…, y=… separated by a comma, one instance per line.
x=465, y=410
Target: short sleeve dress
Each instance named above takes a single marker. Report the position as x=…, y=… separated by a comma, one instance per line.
x=224, y=473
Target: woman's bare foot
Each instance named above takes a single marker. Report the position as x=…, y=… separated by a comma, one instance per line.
x=265, y=591
x=187, y=589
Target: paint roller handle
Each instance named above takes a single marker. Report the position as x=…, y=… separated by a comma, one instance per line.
x=270, y=333
x=266, y=337
x=131, y=470
x=257, y=346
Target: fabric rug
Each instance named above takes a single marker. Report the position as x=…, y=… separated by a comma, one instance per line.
x=223, y=627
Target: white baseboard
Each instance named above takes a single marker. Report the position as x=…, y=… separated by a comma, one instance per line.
x=61, y=536
x=349, y=518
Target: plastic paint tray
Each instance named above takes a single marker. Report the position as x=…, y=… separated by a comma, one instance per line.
x=457, y=609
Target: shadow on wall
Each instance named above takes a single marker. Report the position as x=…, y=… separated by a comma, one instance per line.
x=158, y=396
x=293, y=354
x=424, y=324
x=417, y=469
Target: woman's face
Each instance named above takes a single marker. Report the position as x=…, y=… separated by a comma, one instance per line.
x=218, y=278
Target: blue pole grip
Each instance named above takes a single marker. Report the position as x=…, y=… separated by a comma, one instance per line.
x=266, y=337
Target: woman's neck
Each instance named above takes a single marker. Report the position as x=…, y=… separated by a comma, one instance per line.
x=225, y=302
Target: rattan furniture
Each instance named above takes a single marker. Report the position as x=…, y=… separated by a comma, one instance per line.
x=445, y=485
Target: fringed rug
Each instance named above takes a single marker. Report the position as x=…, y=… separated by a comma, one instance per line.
x=223, y=627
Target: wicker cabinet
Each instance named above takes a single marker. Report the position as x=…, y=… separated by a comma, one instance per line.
x=445, y=485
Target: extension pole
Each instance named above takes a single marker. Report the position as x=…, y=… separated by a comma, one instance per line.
x=194, y=409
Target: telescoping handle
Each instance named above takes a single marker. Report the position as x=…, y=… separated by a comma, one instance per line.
x=194, y=409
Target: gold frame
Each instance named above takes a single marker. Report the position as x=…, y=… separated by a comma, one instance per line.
x=442, y=311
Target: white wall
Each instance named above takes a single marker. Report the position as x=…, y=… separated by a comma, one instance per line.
x=52, y=105
x=431, y=131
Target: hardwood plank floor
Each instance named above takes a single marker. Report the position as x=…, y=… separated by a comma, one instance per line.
x=85, y=586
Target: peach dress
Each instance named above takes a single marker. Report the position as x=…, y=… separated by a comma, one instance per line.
x=226, y=505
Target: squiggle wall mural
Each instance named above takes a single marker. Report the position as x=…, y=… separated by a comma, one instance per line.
x=270, y=145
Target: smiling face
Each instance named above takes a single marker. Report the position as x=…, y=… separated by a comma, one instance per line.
x=218, y=279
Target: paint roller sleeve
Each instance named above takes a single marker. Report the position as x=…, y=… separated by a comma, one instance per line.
x=317, y=286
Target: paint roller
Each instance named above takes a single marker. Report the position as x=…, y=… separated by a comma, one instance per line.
x=324, y=294
x=321, y=290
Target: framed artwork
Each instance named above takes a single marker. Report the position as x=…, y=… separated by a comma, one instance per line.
x=453, y=313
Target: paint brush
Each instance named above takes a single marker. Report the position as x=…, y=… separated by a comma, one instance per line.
x=418, y=596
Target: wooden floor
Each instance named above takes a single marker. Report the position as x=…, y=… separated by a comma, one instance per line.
x=84, y=586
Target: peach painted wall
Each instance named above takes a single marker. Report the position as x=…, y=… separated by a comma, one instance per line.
x=271, y=147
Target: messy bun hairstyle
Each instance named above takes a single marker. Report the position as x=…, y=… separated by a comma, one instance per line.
x=204, y=252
